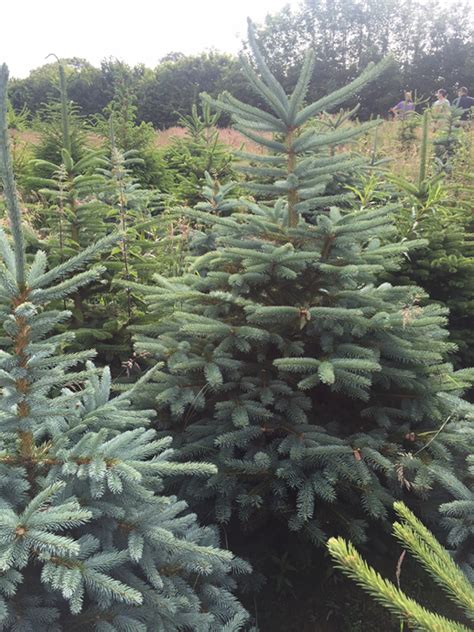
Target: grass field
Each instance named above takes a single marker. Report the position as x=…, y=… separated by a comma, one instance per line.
x=403, y=159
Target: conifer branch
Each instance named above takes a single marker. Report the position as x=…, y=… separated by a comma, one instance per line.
x=6, y=173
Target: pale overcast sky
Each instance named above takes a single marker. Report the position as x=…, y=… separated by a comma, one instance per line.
x=132, y=30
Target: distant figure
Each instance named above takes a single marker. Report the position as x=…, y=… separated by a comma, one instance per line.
x=465, y=102
x=442, y=102
x=403, y=107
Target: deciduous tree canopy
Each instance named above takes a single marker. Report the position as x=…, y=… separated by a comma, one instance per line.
x=432, y=43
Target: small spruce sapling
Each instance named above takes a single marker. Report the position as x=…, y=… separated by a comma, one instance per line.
x=445, y=267
x=87, y=539
x=129, y=135
x=61, y=126
x=71, y=213
x=448, y=139
x=189, y=158
x=135, y=212
x=84, y=200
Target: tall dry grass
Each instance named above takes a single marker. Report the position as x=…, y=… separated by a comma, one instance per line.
x=230, y=137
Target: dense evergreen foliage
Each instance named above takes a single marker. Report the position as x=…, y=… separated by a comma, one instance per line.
x=436, y=205
x=87, y=540
x=186, y=160
x=315, y=388
x=288, y=283
x=87, y=194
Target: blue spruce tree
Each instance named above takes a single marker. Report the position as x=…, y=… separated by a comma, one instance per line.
x=87, y=539
x=317, y=390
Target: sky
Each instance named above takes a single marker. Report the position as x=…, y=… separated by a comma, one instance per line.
x=135, y=31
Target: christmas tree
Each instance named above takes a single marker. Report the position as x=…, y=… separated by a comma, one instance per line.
x=88, y=194
x=189, y=158
x=318, y=391
x=87, y=539
x=434, y=208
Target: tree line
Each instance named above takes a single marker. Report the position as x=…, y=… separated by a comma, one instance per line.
x=432, y=44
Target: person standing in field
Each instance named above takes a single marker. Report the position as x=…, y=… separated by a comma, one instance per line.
x=441, y=108
x=442, y=101
x=465, y=102
x=404, y=106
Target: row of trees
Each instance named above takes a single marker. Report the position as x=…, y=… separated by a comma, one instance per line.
x=162, y=95
x=431, y=42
